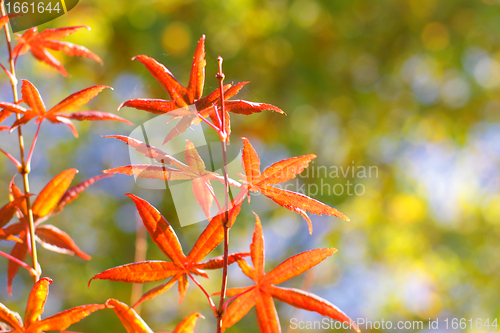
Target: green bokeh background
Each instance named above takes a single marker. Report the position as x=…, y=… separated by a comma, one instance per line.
x=408, y=87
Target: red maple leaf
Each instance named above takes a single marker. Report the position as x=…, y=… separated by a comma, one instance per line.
x=278, y=173
x=3, y=21
x=133, y=323
x=51, y=200
x=56, y=115
x=38, y=43
x=6, y=18
x=182, y=97
x=4, y=114
x=194, y=169
x=34, y=309
x=262, y=293
x=181, y=266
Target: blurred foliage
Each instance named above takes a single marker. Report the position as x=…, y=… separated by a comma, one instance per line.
x=409, y=88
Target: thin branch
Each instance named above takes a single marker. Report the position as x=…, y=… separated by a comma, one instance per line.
x=24, y=170
x=220, y=77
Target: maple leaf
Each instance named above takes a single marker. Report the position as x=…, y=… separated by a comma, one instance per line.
x=34, y=309
x=133, y=323
x=278, y=173
x=262, y=293
x=56, y=114
x=38, y=43
x=6, y=18
x=235, y=106
x=4, y=114
x=3, y=21
x=181, y=266
x=193, y=170
x=182, y=97
x=50, y=201
x=8, y=211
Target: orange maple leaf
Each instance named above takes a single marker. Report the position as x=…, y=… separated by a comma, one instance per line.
x=4, y=114
x=181, y=266
x=133, y=323
x=278, y=173
x=194, y=169
x=262, y=293
x=182, y=97
x=6, y=18
x=34, y=309
x=55, y=115
x=50, y=201
x=3, y=21
x=38, y=43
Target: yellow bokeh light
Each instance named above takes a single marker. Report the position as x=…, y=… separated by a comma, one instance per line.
x=176, y=38
x=491, y=211
x=435, y=36
x=406, y=208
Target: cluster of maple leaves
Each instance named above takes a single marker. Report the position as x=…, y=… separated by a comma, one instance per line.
x=179, y=268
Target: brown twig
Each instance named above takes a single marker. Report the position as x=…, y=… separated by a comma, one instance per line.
x=220, y=77
x=24, y=170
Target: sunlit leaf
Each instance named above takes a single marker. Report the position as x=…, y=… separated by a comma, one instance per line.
x=261, y=295
x=181, y=268
x=38, y=43
x=48, y=198
x=34, y=309
x=56, y=114
x=278, y=173
x=132, y=322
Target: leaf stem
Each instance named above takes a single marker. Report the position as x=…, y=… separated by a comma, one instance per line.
x=226, y=304
x=30, y=155
x=210, y=189
x=12, y=158
x=24, y=170
x=220, y=77
x=209, y=123
x=19, y=262
x=210, y=301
